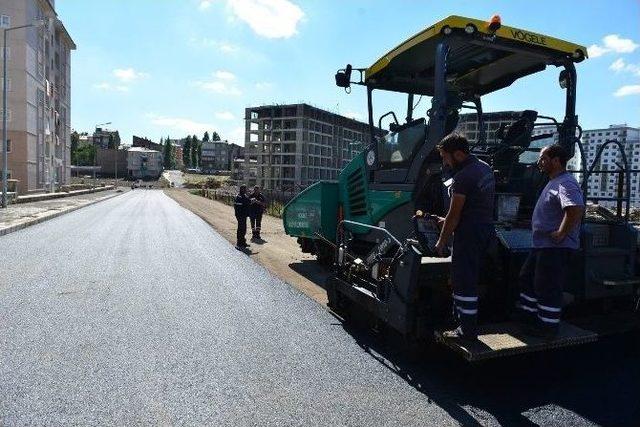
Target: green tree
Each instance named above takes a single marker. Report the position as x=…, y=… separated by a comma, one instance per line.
x=186, y=152
x=215, y=136
x=75, y=140
x=194, y=151
x=167, y=155
x=86, y=155
x=205, y=138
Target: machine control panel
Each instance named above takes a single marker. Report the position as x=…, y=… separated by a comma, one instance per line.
x=515, y=239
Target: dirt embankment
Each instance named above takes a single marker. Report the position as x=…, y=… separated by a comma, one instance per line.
x=280, y=254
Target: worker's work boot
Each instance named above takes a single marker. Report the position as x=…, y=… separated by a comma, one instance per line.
x=524, y=317
x=541, y=331
x=460, y=333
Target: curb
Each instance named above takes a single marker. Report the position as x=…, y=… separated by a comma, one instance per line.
x=13, y=228
x=61, y=195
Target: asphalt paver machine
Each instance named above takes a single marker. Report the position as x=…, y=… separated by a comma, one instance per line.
x=362, y=224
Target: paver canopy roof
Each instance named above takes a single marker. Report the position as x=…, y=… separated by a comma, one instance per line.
x=478, y=63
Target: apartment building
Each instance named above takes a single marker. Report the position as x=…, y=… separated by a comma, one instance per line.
x=105, y=138
x=38, y=98
x=215, y=156
x=468, y=124
x=218, y=155
x=297, y=145
x=544, y=135
x=605, y=184
x=143, y=163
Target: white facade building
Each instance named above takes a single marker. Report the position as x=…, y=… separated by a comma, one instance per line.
x=38, y=64
x=606, y=184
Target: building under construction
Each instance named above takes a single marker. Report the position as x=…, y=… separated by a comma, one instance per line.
x=297, y=145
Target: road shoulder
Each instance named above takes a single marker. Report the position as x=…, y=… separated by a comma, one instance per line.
x=280, y=254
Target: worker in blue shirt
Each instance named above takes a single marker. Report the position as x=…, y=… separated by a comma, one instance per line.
x=555, y=233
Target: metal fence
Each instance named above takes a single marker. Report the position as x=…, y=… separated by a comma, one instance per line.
x=276, y=200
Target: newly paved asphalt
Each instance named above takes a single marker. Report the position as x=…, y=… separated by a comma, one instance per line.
x=134, y=311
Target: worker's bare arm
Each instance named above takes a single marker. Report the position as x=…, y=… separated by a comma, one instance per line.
x=451, y=220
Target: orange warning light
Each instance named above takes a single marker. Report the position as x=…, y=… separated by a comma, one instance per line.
x=495, y=23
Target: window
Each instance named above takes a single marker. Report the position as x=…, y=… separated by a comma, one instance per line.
x=5, y=21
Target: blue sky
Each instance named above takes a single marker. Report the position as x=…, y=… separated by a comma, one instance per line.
x=176, y=67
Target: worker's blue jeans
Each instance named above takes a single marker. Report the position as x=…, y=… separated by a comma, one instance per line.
x=542, y=278
x=470, y=244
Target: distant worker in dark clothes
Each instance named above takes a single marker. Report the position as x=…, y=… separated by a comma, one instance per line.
x=258, y=205
x=556, y=234
x=470, y=221
x=242, y=206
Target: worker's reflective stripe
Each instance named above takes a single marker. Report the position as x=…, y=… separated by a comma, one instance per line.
x=527, y=308
x=550, y=309
x=465, y=311
x=547, y=320
x=528, y=298
x=466, y=299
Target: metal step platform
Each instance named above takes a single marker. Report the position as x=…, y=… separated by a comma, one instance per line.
x=507, y=339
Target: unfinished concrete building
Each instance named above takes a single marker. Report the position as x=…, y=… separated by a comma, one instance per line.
x=297, y=145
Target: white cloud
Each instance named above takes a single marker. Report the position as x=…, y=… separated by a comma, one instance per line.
x=612, y=43
x=226, y=47
x=264, y=85
x=225, y=115
x=108, y=87
x=224, y=75
x=204, y=4
x=237, y=135
x=128, y=75
x=219, y=87
x=595, y=51
x=180, y=124
x=268, y=18
x=628, y=90
x=619, y=65
x=207, y=43
x=222, y=83
x=619, y=45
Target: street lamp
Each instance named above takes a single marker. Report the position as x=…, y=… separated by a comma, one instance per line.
x=5, y=154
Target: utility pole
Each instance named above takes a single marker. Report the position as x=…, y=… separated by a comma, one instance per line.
x=116, y=171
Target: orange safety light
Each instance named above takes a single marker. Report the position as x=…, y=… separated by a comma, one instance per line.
x=495, y=23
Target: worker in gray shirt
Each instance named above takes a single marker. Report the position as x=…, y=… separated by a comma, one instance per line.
x=556, y=234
